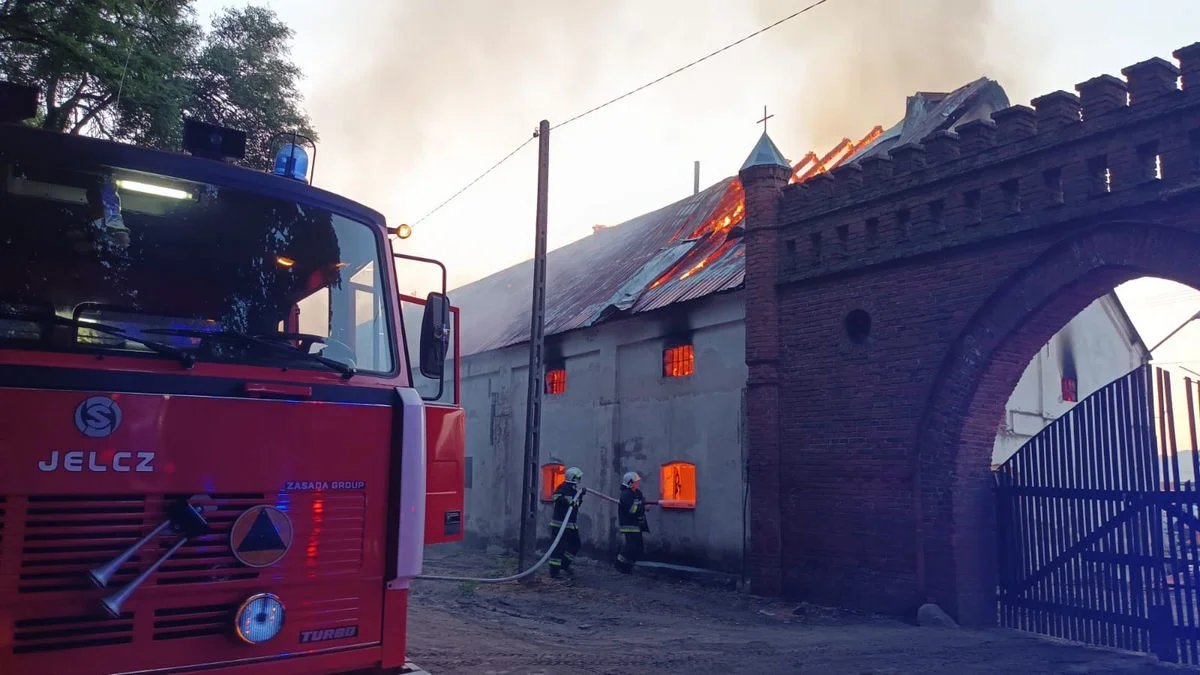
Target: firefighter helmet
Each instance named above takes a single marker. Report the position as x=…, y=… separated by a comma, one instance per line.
x=573, y=475
x=630, y=478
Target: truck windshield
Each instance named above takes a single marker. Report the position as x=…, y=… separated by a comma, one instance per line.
x=165, y=268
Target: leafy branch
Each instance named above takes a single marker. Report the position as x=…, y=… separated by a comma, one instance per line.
x=130, y=70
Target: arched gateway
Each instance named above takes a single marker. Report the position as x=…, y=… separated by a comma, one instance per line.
x=892, y=307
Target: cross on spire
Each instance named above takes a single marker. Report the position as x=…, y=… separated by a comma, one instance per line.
x=764, y=119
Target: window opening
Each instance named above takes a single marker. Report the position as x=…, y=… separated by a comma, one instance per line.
x=1070, y=390
x=553, y=475
x=972, y=201
x=872, y=232
x=556, y=381
x=677, y=485
x=679, y=361
x=1054, y=185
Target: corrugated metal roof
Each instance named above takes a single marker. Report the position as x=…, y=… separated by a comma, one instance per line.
x=681, y=252
x=588, y=280
x=722, y=273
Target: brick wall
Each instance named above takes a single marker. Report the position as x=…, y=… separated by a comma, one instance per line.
x=762, y=197
x=966, y=252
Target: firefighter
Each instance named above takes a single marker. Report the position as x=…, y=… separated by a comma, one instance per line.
x=568, y=494
x=631, y=521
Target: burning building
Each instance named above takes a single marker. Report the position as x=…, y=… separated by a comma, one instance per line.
x=645, y=359
x=1098, y=346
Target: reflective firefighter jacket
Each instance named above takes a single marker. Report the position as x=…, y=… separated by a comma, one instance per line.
x=631, y=512
x=564, y=497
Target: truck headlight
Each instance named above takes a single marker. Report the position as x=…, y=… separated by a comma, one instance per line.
x=260, y=618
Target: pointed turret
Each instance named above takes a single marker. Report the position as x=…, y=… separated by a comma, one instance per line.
x=765, y=153
x=764, y=176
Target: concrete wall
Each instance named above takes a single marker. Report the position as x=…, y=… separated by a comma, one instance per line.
x=1104, y=348
x=618, y=414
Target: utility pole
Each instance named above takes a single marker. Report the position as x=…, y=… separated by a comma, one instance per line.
x=537, y=334
x=696, y=178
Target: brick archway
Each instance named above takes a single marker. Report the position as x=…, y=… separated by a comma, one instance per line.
x=962, y=252
x=954, y=485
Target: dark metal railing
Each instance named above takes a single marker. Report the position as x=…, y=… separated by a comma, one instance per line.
x=1099, y=539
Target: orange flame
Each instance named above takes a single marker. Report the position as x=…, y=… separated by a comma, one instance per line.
x=843, y=151
x=730, y=211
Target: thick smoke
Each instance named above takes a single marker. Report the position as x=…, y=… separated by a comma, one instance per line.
x=860, y=59
x=433, y=69
x=435, y=90
x=423, y=69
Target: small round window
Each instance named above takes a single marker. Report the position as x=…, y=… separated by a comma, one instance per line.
x=858, y=326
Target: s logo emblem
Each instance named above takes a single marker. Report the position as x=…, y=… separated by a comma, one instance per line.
x=97, y=417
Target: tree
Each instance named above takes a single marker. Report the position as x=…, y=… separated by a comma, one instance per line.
x=244, y=78
x=101, y=65
x=132, y=69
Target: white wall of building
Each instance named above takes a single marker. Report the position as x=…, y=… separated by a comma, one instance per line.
x=620, y=414
x=1104, y=348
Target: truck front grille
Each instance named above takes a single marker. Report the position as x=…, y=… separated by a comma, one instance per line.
x=49, y=543
x=174, y=623
x=64, y=537
x=208, y=559
x=70, y=632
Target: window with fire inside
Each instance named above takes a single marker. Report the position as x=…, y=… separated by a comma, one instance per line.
x=103, y=259
x=679, y=360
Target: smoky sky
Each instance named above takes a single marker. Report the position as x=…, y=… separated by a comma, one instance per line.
x=425, y=94
x=859, y=59
x=416, y=65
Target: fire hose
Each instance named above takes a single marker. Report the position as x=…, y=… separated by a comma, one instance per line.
x=521, y=575
x=515, y=577
x=614, y=499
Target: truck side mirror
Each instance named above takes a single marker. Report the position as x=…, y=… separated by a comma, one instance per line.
x=435, y=335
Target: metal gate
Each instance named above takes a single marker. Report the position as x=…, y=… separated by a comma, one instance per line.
x=1097, y=520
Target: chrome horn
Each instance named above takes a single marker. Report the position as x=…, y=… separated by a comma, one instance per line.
x=183, y=519
x=104, y=573
x=112, y=604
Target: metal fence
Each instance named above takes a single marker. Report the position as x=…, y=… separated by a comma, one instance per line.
x=1097, y=520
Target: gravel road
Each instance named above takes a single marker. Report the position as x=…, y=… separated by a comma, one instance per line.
x=604, y=622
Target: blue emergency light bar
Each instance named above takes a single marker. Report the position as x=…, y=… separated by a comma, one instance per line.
x=292, y=162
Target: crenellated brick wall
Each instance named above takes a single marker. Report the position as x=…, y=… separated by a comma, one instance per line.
x=908, y=294
x=1028, y=168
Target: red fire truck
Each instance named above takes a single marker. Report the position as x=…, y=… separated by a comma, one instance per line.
x=215, y=452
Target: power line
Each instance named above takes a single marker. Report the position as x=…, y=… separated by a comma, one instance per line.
x=477, y=179
x=627, y=94
x=698, y=61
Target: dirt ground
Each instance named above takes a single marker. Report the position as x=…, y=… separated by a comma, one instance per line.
x=604, y=622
